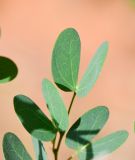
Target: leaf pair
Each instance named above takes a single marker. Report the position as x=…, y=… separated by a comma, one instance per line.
x=80, y=135
x=35, y=121
x=66, y=60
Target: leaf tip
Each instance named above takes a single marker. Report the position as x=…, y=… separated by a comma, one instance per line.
x=70, y=29
x=19, y=97
x=105, y=46
x=126, y=133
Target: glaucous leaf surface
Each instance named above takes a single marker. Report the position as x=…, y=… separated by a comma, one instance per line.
x=8, y=69
x=92, y=73
x=55, y=105
x=33, y=119
x=103, y=146
x=13, y=148
x=87, y=127
x=66, y=59
x=39, y=149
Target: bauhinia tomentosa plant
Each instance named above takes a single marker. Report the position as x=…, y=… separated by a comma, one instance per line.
x=80, y=137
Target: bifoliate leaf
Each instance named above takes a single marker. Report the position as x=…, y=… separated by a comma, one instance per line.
x=8, y=69
x=102, y=147
x=87, y=127
x=13, y=148
x=66, y=59
x=92, y=73
x=33, y=119
x=55, y=105
x=39, y=149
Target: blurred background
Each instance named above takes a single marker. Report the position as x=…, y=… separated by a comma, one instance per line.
x=29, y=30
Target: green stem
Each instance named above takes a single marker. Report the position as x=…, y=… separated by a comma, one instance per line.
x=54, y=142
x=56, y=150
x=58, y=146
x=74, y=95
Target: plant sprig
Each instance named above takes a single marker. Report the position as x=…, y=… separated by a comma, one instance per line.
x=80, y=137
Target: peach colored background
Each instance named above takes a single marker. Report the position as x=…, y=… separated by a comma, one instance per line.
x=29, y=30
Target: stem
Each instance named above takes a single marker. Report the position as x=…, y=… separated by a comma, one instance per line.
x=61, y=137
x=53, y=142
x=54, y=147
x=74, y=95
x=56, y=150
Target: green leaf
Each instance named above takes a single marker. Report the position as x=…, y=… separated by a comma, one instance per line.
x=102, y=147
x=93, y=71
x=55, y=105
x=33, y=119
x=66, y=60
x=39, y=149
x=87, y=127
x=8, y=70
x=13, y=148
